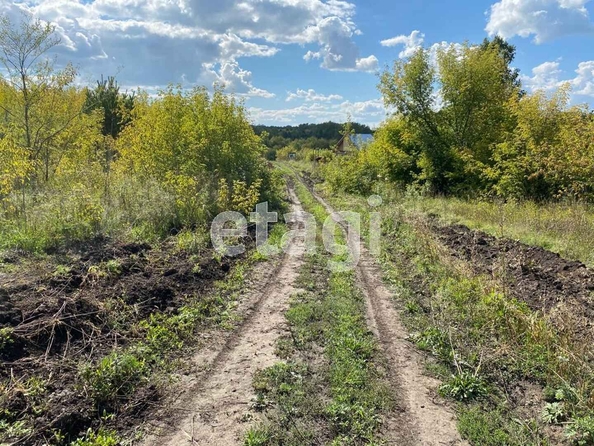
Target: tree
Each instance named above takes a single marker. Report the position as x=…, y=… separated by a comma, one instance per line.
x=410, y=89
x=458, y=109
x=115, y=106
x=40, y=102
x=21, y=48
x=507, y=52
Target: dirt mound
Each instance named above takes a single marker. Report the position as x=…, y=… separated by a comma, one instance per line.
x=72, y=308
x=534, y=275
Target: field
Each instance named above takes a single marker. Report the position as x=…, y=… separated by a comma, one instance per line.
x=173, y=274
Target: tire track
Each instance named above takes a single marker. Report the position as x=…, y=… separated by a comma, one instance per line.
x=214, y=409
x=420, y=419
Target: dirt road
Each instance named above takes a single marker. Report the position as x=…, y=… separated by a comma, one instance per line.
x=421, y=420
x=215, y=408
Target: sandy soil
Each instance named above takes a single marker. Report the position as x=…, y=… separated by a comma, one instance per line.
x=214, y=409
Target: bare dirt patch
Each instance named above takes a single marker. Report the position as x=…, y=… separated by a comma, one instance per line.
x=73, y=308
x=542, y=279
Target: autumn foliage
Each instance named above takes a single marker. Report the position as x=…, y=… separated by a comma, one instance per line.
x=78, y=162
x=462, y=125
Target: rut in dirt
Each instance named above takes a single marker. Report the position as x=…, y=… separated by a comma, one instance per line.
x=420, y=419
x=214, y=411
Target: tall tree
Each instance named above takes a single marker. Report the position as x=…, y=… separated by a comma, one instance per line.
x=458, y=108
x=40, y=102
x=21, y=49
x=115, y=106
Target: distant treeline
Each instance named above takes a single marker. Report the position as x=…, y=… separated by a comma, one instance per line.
x=311, y=136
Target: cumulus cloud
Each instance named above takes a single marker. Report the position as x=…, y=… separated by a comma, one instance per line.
x=311, y=96
x=583, y=83
x=548, y=76
x=370, y=112
x=160, y=41
x=544, y=19
x=411, y=43
x=338, y=52
x=544, y=77
x=234, y=79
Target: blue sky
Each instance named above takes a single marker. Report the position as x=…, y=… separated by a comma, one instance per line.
x=297, y=61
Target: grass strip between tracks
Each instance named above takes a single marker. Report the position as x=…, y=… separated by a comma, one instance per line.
x=328, y=389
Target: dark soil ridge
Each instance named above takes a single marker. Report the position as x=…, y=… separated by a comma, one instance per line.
x=540, y=278
x=79, y=314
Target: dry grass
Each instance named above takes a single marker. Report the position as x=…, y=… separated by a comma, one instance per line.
x=564, y=228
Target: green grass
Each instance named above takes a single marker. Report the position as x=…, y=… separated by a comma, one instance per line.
x=564, y=228
x=484, y=342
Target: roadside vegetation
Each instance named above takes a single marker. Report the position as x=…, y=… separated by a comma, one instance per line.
x=79, y=162
x=106, y=269
x=519, y=376
x=516, y=165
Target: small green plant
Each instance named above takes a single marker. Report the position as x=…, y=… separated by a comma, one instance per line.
x=412, y=307
x=553, y=413
x=257, y=436
x=581, y=431
x=464, y=386
x=159, y=337
x=192, y=242
x=100, y=438
x=113, y=267
x=62, y=270
x=435, y=341
x=5, y=338
x=13, y=430
x=114, y=376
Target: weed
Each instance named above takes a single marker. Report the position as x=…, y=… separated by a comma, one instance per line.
x=553, y=413
x=100, y=438
x=489, y=427
x=581, y=431
x=13, y=430
x=257, y=436
x=116, y=375
x=192, y=242
x=464, y=386
x=111, y=268
x=62, y=270
x=6, y=338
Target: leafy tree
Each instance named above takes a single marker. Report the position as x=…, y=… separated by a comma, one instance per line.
x=21, y=49
x=41, y=107
x=458, y=109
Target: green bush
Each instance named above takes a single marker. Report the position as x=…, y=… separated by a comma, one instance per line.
x=114, y=377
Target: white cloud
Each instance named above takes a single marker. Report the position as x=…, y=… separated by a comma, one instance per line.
x=547, y=77
x=545, y=19
x=583, y=83
x=155, y=42
x=370, y=112
x=411, y=43
x=235, y=80
x=544, y=77
x=311, y=96
x=338, y=51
